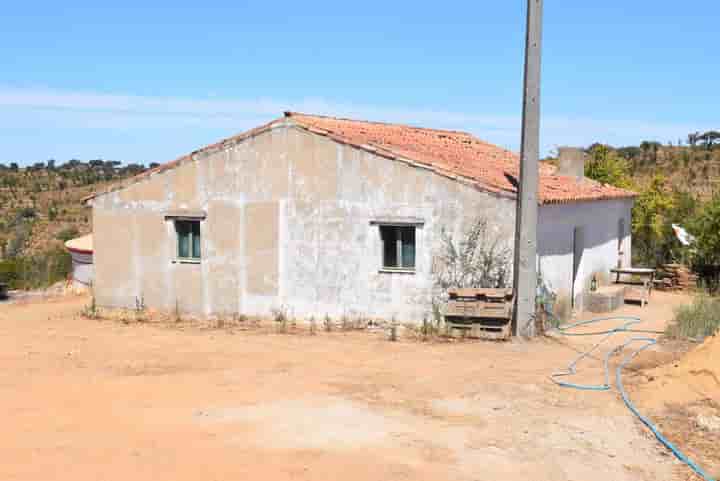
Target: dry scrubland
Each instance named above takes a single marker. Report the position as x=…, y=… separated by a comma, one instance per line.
x=40, y=208
x=91, y=399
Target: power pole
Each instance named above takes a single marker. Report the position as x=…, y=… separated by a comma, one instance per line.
x=525, y=266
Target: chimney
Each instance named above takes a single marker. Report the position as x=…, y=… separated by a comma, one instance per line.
x=571, y=162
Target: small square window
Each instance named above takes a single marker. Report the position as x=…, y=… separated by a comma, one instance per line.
x=188, y=239
x=398, y=247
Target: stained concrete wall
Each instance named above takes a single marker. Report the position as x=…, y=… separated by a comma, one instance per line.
x=598, y=224
x=288, y=223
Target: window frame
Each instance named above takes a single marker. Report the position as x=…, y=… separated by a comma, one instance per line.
x=191, y=259
x=399, y=227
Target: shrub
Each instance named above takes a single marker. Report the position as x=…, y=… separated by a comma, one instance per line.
x=18, y=240
x=26, y=213
x=90, y=311
x=37, y=271
x=9, y=272
x=482, y=258
x=280, y=317
x=67, y=234
x=697, y=320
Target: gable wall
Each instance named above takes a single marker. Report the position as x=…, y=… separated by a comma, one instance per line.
x=288, y=224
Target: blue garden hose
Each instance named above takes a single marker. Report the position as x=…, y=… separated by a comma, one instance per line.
x=607, y=334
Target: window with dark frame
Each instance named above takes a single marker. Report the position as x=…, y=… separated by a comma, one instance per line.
x=188, y=239
x=398, y=247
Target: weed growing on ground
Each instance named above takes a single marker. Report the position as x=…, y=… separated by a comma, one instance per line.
x=345, y=323
x=281, y=319
x=140, y=309
x=90, y=311
x=176, y=314
x=393, y=330
x=427, y=328
x=697, y=320
x=361, y=322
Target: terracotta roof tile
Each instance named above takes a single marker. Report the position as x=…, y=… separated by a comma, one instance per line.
x=456, y=154
x=450, y=153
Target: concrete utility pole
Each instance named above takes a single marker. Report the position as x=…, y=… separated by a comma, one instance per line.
x=525, y=266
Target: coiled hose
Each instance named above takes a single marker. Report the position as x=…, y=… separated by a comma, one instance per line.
x=647, y=342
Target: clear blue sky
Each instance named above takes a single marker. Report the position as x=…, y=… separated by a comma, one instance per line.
x=148, y=81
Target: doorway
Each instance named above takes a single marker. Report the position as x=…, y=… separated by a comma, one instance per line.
x=578, y=250
x=621, y=239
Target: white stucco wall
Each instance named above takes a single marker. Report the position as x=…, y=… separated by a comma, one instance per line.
x=599, y=225
x=290, y=223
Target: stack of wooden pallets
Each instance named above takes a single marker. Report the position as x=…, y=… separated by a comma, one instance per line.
x=680, y=277
x=484, y=313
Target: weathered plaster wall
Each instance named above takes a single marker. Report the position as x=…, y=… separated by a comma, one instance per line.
x=288, y=224
x=598, y=223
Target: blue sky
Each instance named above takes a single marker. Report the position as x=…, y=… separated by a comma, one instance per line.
x=142, y=83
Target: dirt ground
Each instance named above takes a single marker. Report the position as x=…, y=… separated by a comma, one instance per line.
x=86, y=399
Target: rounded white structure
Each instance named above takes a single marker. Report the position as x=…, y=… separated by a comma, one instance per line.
x=81, y=251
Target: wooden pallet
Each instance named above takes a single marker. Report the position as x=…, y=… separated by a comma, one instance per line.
x=481, y=313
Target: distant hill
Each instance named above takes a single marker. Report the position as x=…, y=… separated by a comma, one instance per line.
x=692, y=167
x=40, y=205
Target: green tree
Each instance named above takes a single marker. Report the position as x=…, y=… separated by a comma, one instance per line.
x=652, y=231
x=705, y=251
x=606, y=166
x=709, y=138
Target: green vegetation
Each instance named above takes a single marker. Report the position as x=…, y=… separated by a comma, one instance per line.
x=32, y=272
x=670, y=191
x=606, y=165
x=697, y=320
x=705, y=252
x=40, y=209
x=67, y=233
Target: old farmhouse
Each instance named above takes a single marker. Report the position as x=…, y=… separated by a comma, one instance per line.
x=327, y=215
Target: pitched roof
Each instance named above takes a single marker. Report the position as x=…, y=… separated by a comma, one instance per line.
x=454, y=154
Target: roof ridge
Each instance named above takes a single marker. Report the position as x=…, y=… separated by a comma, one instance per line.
x=290, y=114
x=458, y=155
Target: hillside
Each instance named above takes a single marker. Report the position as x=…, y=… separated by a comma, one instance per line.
x=692, y=167
x=689, y=168
x=40, y=208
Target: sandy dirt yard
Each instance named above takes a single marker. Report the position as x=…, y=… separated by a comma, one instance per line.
x=86, y=399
